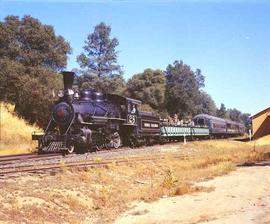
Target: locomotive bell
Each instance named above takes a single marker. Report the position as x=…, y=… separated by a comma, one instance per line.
x=68, y=78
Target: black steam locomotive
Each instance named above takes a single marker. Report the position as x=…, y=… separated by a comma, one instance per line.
x=93, y=120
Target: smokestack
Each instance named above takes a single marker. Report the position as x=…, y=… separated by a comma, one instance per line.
x=68, y=78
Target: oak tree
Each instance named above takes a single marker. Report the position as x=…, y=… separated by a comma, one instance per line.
x=182, y=89
x=31, y=55
x=149, y=87
x=206, y=104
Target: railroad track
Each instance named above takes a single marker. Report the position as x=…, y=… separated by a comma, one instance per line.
x=10, y=159
x=34, y=157
x=10, y=171
x=34, y=163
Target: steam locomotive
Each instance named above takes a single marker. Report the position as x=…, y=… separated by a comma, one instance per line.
x=91, y=120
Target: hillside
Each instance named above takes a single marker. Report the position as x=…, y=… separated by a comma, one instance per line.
x=15, y=133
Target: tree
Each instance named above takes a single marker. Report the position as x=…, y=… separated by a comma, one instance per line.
x=113, y=84
x=246, y=120
x=148, y=87
x=182, y=89
x=31, y=54
x=36, y=97
x=221, y=112
x=100, y=55
x=238, y=116
x=206, y=104
x=32, y=44
x=234, y=114
x=11, y=79
x=200, y=78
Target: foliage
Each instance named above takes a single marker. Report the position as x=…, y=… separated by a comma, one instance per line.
x=100, y=55
x=182, y=89
x=99, y=62
x=32, y=93
x=146, y=107
x=245, y=119
x=30, y=56
x=32, y=44
x=34, y=103
x=113, y=84
x=234, y=115
x=11, y=79
x=200, y=78
x=222, y=111
x=148, y=87
x=206, y=104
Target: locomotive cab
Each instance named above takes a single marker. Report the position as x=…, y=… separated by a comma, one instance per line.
x=129, y=108
x=132, y=113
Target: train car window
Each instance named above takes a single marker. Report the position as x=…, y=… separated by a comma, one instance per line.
x=216, y=125
x=133, y=109
x=129, y=107
x=201, y=122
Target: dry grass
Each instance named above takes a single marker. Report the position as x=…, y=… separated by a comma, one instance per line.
x=264, y=141
x=98, y=195
x=15, y=132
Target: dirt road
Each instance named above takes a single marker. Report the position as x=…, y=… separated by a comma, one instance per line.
x=242, y=197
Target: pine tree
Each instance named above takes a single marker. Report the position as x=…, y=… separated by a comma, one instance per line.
x=100, y=55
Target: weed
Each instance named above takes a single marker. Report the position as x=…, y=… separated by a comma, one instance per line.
x=169, y=180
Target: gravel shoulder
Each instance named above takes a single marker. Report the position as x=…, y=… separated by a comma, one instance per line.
x=241, y=197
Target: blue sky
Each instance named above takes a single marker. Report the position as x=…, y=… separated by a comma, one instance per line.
x=228, y=40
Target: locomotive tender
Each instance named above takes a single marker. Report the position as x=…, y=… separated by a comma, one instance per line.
x=92, y=120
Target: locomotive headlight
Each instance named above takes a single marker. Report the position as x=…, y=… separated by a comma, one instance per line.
x=63, y=113
x=60, y=113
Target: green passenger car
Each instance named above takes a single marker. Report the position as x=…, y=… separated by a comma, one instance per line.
x=167, y=130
